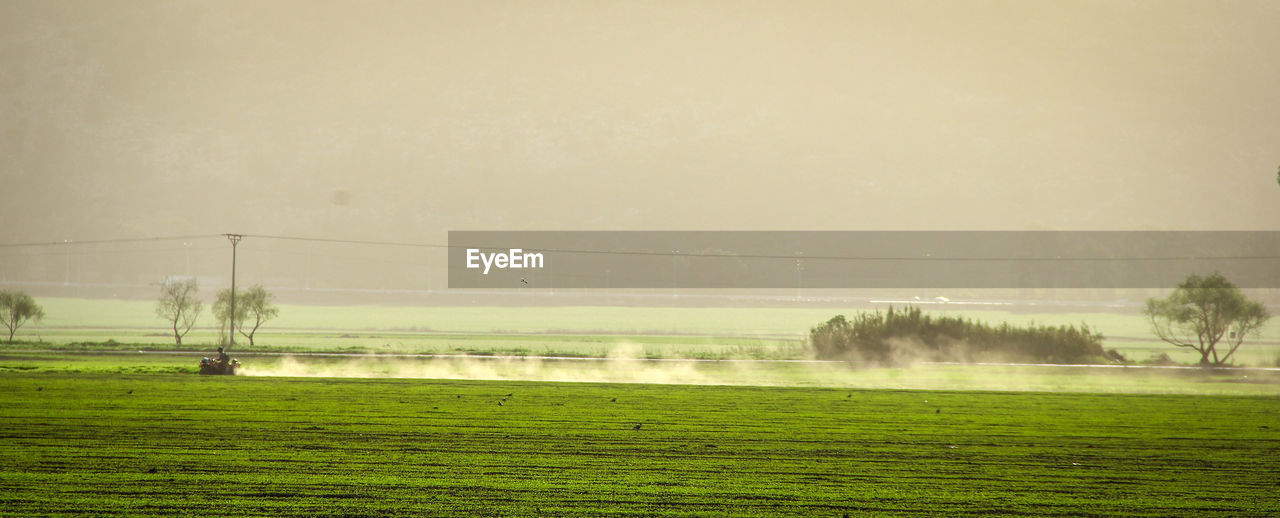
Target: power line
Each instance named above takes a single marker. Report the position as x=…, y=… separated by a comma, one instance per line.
x=69, y=242
x=349, y=241
x=298, y=253
x=775, y=256
x=671, y=253
x=109, y=252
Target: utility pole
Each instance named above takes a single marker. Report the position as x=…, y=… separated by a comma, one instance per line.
x=66, y=253
x=235, y=240
x=675, y=276
x=799, y=275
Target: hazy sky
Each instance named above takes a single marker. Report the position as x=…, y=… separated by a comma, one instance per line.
x=402, y=120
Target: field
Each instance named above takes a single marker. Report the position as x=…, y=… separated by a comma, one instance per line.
x=86, y=443
x=566, y=411
x=772, y=333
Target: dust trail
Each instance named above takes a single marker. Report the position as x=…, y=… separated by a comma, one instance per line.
x=625, y=365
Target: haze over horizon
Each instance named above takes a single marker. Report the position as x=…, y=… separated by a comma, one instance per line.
x=402, y=120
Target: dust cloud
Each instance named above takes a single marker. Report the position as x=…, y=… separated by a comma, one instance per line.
x=623, y=364
x=626, y=364
x=910, y=351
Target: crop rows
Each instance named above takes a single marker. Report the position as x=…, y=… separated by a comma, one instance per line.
x=173, y=443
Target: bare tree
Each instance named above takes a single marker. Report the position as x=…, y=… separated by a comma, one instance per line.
x=179, y=306
x=1204, y=312
x=16, y=308
x=254, y=307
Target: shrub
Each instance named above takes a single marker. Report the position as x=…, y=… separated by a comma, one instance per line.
x=906, y=335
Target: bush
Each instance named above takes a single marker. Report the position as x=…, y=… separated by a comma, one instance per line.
x=1115, y=356
x=907, y=335
x=1159, y=359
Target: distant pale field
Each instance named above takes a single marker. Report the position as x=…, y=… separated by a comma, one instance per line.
x=590, y=330
x=794, y=322
x=623, y=369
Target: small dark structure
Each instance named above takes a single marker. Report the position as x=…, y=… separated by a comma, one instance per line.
x=214, y=366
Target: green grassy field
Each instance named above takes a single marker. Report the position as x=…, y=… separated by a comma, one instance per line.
x=579, y=331
x=162, y=444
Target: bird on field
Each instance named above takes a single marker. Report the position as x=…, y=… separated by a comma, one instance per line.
x=637, y=426
x=938, y=411
x=511, y=394
x=614, y=400
x=152, y=470
x=130, y=391
x=499, y=403
x=38, y=389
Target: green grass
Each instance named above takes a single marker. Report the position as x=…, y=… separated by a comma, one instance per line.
x=165, y=444
x=98, y=362
x=710, y=347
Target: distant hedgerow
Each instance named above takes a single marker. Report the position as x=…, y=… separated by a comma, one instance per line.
x=907, y=335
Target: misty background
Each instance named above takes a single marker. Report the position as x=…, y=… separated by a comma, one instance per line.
x=399, y=121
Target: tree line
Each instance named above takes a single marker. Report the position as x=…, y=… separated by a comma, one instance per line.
x=1209, y=315
x=179, y=305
